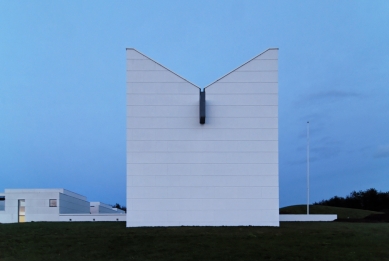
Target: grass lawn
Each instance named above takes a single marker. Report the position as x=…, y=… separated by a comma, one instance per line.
x=113, y=241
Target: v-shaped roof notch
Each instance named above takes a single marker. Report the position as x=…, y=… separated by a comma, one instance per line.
x=133, y=49
x=240, y=66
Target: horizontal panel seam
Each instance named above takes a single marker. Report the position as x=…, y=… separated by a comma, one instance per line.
x=211, y=175
x=239, y=71
x=208, y=128
x=208, y=93
x=164, y=70
x=203, y=151
x=162, y=117
x=198, y=127
x=208, y=106
x=201, y=163
x=258, y=197
x=192, y=85
x=198, y=186
x=256, y=59
x=248, y=82
x=201, y=140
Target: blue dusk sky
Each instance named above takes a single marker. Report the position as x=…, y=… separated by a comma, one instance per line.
x=63, y=87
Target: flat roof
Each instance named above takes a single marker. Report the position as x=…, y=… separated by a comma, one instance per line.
x=56, y=190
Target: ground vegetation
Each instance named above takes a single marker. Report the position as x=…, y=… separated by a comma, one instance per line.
x=113, y=241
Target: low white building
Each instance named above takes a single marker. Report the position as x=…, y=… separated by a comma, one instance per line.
x=98, y=207
x=27, y=205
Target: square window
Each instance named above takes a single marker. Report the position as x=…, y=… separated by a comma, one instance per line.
x=53, y=203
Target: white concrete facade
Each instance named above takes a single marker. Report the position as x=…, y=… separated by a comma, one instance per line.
x=46, y=205
x=223, y=172
x=92, y=217
x=308, y=218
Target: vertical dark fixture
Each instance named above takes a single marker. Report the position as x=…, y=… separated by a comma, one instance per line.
x=202, y=106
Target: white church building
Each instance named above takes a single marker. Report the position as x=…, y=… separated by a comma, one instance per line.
x=202, y=157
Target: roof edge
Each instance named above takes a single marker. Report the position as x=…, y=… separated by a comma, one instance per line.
x=273, y=48
x=164, y=67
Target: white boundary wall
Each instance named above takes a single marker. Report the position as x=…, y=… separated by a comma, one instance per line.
x=303, y=217
x=224, y=172
x=91, y=217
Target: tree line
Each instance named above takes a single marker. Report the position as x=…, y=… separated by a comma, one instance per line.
x=122, y=207
x=370, y=199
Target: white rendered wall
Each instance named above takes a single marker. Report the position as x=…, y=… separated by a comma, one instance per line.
x=119, y=211
x=307, y=218
x=92, y=217
x=224, y=172
x=99, y=207
x=94, y=207
x=37, y=205
x=69, y=204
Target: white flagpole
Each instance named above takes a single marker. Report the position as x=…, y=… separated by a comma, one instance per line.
x=307, y=167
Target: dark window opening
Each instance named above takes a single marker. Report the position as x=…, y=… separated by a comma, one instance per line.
x=2, y=203
x=53, y=203
x=202, y=107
